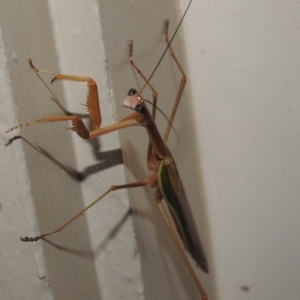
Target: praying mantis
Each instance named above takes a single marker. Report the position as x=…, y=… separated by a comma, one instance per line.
x=163, y=172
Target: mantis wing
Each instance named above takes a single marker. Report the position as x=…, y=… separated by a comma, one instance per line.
x=171, y=188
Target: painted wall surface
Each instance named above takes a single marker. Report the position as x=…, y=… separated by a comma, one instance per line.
x=109, y=252
x=243, y=62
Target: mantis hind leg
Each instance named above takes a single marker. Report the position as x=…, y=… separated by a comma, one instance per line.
x=181, y=86
x=154, y=93
x=148, y=180
x=175, y=238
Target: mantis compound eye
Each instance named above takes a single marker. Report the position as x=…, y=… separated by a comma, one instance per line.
x=131, y=92
x=140, y=108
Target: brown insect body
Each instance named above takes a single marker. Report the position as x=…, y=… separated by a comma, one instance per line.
x=168, y=185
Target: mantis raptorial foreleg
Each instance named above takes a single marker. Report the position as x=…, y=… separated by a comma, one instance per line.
x=92, y=102
x=93, y=108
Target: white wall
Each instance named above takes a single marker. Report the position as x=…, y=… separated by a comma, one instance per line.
x=243, y=64
x=36, y=194
x=99, y=256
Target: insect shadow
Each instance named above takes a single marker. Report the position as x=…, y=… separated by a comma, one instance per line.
x=101, y=247
x=104, y=158
x=105, y=163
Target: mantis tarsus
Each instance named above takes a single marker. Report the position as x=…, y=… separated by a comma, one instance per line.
x=163, y=175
